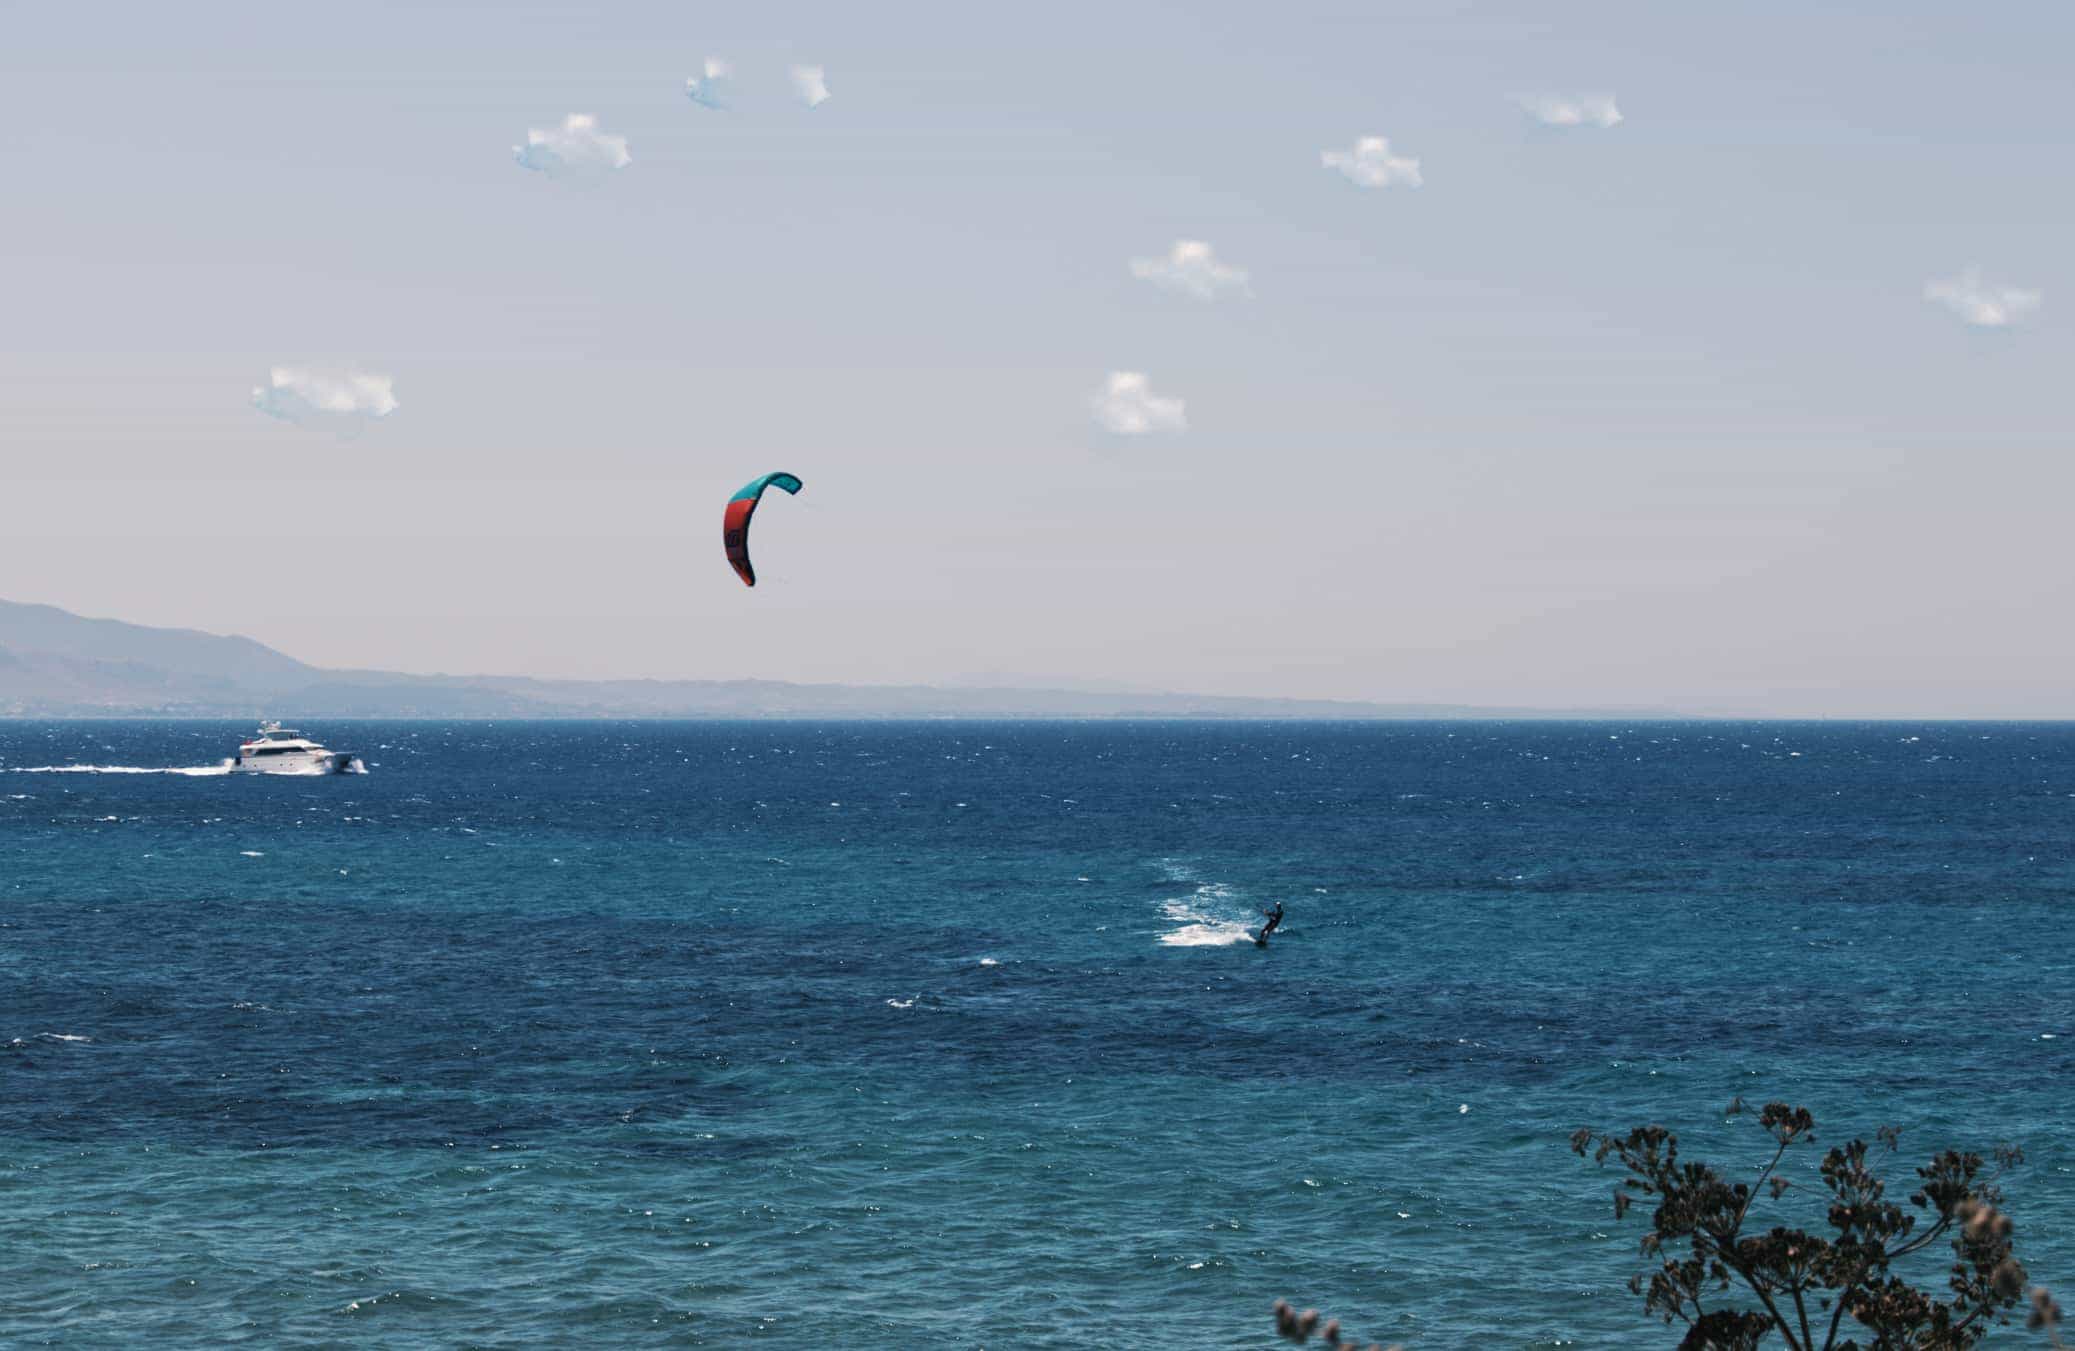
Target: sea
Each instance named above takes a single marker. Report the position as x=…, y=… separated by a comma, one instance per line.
x=953, y=1034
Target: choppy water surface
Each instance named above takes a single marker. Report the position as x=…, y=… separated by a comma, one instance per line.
x=950, y=1034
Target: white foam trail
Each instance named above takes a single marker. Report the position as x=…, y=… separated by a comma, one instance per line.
x=1201, y=926
x=1217, y=935
x=190, y=771
x=354, y=766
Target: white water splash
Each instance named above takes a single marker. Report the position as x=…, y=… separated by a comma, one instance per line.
x=1204, y=917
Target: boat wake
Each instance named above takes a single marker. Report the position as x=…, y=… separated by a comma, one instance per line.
x=356, y=766
x=189, y=771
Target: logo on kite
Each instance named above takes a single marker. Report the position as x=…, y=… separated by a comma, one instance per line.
x=734, y=531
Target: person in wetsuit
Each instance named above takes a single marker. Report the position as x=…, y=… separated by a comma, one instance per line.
x=1274, y=918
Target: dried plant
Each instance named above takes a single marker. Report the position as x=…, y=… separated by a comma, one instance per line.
x=1298, y=1327
x=2046, y=1316
x=1713, y=1254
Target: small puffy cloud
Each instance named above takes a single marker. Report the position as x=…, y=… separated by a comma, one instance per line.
x=713, y=89
x=1127, y=406
x=1192, y=268
x=343, y=400
x=1979, y=303
x=1570, y=110
x=575, y=148
x=1372, y=165
x=811, y=84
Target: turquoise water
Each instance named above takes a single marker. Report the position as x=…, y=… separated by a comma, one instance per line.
x=949, y=1034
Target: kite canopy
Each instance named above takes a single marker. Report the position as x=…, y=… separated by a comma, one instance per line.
x=735, y=521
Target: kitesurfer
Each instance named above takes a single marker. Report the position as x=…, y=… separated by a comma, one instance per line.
x=1274, y=917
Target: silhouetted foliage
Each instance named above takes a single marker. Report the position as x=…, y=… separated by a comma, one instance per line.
x=1712, y=1252
x=1298, y=1327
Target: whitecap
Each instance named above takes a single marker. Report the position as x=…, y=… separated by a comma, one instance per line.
x=908, y=1003
x=989, y=961
x=250, y=853
x=61, y=1036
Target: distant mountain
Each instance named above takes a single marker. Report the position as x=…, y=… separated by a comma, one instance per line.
x=54, y=664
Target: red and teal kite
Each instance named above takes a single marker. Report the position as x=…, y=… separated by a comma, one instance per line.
x=734, y=532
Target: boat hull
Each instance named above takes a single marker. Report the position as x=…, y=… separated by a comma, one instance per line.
x=324, y=762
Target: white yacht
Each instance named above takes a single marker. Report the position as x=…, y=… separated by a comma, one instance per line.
x=283, y=750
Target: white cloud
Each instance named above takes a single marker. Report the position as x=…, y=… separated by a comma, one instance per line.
x=342, y=400
x=811, y=84
x=714, y=88
x=1192, y=268
x=1128, y=407
x=1979, y=303
x=1372, y=165
x=576, y=147
x=1570, y=110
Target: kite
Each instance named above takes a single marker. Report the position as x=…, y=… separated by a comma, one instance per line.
x=735, y=521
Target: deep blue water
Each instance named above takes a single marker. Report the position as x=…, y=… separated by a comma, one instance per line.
x=932, y=1035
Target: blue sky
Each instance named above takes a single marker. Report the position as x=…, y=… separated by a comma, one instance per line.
x=1650, y=413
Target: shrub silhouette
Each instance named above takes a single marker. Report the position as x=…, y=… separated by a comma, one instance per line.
x=1711, y=1253
x=1715, y=1259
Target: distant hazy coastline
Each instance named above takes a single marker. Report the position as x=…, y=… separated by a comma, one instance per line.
x=54, y=664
